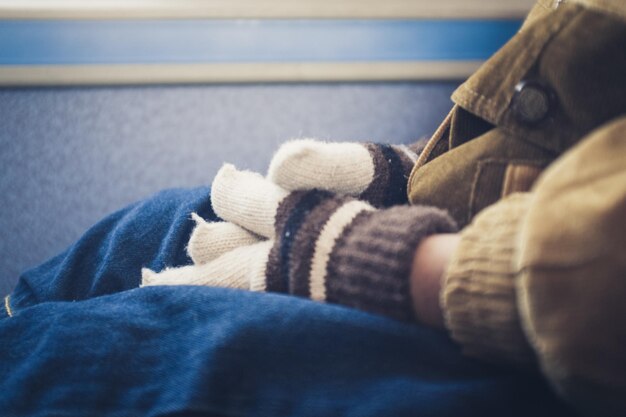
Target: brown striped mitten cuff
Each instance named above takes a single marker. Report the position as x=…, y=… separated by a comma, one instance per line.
x=344, y=251
x=374, y=172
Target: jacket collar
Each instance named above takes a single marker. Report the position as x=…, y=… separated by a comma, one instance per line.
x=613, y=7
x=551, y=49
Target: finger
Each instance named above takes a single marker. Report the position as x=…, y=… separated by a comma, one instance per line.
x=246, y=199
x=242, y=268
x=305, y=164
x=209, y=241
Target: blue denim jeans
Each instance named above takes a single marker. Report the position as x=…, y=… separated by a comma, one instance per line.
x=78, y=338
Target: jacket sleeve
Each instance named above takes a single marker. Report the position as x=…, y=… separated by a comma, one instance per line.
x=539, y=279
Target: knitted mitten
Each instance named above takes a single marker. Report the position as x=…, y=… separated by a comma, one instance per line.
x=209, y=241
x=321, y=246
x=372, y=172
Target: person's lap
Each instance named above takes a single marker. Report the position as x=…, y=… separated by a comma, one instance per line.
x=82, y=339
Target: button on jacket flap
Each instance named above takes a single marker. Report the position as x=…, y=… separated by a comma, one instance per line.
x=532, y=102
x=560, y=77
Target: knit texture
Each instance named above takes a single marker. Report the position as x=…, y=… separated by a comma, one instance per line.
x=392, y=166
x=243, y=268
x=478, y=294
x=309, y=243
x=344, y=251
x=210, y=240
x=370, y=267
x=373, y=172
x=246, y=199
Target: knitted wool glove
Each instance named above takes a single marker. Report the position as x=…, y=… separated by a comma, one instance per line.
x=318, y=245
x=376, y=173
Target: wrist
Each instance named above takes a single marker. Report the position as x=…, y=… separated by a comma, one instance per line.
x=429, y=264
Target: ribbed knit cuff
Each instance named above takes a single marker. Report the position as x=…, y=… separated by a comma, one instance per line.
x=478, y=292
x=344, y=251
x=369, y=267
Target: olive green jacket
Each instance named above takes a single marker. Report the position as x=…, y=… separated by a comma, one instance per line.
x=532, y=162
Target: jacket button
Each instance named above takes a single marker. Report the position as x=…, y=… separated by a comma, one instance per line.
x=533, y=101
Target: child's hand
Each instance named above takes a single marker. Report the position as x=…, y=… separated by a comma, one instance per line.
x=372, y=172
x=309, y=243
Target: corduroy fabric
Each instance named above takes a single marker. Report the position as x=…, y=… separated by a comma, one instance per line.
x=478, y=293
x=575, y=51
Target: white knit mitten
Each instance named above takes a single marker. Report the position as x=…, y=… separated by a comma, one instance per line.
x=232, y=253
x=376, y=173
x=372, y=172
x=317, y=245
x=210, y=240
x=242, y=267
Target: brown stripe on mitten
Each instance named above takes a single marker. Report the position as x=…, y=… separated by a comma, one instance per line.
x=392, y=166
x=344, y=251
x=376, y=173
x=374, y=256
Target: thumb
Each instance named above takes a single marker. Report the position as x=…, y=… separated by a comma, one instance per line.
x=304, y=164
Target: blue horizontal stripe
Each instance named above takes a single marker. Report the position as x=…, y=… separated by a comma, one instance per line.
x=65, y=42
